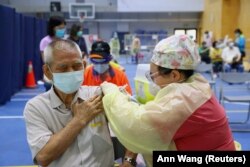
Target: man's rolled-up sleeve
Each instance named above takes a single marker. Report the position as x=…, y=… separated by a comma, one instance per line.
x=38, y=133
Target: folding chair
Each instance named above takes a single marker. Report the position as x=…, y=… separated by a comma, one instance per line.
x=204, y=68
x=235, y=78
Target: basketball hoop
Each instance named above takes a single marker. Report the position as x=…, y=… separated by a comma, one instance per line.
x=81, y=18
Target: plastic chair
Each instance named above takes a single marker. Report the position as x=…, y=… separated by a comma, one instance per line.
x=235, y=78
x=204, y=68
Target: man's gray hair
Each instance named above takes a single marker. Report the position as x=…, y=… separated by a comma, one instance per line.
x=63, y=45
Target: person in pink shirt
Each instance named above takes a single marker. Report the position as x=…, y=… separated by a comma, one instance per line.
x=55, y=30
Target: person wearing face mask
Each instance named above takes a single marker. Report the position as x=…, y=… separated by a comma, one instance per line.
x=215, y=55
x=115, y=47
x=55, y=30
x=102, y=68
x=65, y=126
x=208, y=38
x=76, y=36
x=204, y=53
x=240, y=42
x=232, y=58
x=185, y=114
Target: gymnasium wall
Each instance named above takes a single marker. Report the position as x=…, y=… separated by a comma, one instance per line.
x=244, y=19
x=211, y=17
x=222, y=17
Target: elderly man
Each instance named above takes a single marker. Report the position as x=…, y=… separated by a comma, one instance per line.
x=66, y=126
x=232, y=58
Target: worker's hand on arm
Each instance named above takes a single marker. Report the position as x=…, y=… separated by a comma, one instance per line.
x=108, y=87
x=85, y=111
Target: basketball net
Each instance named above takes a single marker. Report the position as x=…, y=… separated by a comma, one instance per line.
x=81, y=18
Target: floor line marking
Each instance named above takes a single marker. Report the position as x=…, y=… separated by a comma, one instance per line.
x=27, y=93
x=11, y=117
x=20, y=99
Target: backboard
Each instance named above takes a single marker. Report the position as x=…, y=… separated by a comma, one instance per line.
x=76, y=10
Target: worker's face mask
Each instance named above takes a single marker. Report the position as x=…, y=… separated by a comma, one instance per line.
x=60, y=33
x=68, y=82
x=154, y=88
x=101, y=68
x=79, y=33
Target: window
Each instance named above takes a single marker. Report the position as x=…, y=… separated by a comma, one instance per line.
x=191, y=32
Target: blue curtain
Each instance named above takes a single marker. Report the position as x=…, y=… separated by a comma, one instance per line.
x=18, y=54
x=29, y=40
x=7, y=16
x=40, y=27
x=19, y=44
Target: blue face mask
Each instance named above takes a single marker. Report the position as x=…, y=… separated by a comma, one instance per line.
x=68, y=82
x=79, y=33
x=60, y=33
x=237, y=34
x=101, y=68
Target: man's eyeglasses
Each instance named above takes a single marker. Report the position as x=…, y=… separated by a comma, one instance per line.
x=150, y=76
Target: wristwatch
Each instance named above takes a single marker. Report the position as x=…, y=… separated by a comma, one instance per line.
x=132, y=161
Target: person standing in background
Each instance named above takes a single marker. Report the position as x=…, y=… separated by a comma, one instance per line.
x=208, y=38
x=76, y=36
x=55, y=30
x=115, y=47
x=240, y=42
x=135, y=49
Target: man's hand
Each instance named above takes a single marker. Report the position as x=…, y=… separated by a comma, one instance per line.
x=238, y=58
x=85, y=111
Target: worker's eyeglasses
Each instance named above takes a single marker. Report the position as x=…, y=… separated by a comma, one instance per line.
x=150, y=76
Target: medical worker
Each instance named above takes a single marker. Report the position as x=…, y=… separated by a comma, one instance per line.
x=185, y=114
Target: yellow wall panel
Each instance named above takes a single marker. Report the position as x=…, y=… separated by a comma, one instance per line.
x=230, y=14
x=211, y=17
x=244, y=19
x=222, y=17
